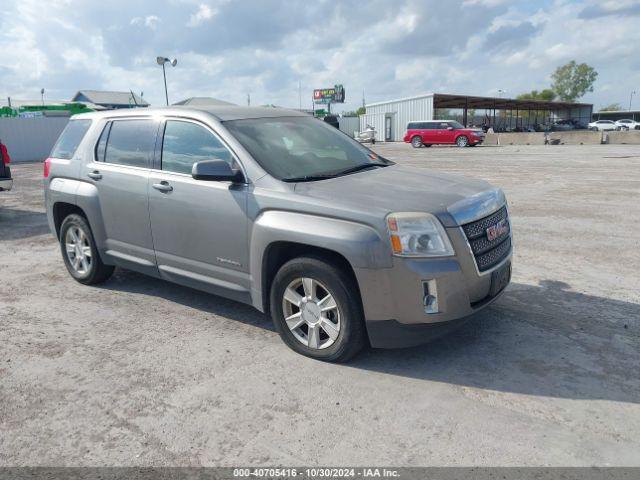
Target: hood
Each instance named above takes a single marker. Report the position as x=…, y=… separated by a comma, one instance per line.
x=453, y=199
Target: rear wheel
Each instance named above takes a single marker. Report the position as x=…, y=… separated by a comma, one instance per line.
x=80, y=253
x=462, y=141
x=416, y=142
x=316, y=309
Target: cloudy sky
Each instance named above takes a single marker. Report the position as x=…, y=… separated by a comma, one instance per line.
x=389, y=49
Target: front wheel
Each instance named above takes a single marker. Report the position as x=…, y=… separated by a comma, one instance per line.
x=80, y=253
x=462, y=141
x=316, y=310
x=416, y=142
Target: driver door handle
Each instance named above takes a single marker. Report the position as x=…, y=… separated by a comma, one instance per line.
x=96, y=175
x=163, y=186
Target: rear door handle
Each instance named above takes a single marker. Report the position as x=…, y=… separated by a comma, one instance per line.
x=163, y=186
x=96, y=175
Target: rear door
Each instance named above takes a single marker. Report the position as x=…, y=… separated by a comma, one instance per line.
x=428, y=132
x=120, y=172
x=199, y=227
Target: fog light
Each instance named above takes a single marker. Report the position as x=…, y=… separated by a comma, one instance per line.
x=430, y=298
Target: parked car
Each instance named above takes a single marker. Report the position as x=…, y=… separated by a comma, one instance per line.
x=433, y=132
x=603, y=125
x=6, y=182
x=628, y=124
x=281, y=211
x=562, y=126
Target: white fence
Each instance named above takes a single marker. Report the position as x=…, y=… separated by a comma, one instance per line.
x=30, y=139
x=349, y=125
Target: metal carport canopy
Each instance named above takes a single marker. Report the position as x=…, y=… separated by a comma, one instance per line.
x=441, y=100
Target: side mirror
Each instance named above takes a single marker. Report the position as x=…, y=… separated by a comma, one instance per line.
x=216, y=170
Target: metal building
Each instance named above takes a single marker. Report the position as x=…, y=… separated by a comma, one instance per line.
x=390, y=118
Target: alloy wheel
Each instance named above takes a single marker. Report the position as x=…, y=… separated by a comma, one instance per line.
x=311, y=313
x=78, y=250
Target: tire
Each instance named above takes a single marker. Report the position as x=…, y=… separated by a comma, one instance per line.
x=373, y=141
x=88, y=268
x=416, y=141
x=308, y=282
x=462, y=141
x=427, y=145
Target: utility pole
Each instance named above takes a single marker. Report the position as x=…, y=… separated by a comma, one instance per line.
x=633, y=92
x=248, y=99
x=299, y=95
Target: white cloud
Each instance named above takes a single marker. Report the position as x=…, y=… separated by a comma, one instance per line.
x=389, y=50
x=150, y=21
x=204, y=13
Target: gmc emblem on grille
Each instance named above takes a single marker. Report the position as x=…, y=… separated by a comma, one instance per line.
x=497, y=230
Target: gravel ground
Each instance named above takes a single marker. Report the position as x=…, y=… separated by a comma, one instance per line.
x=143, y=372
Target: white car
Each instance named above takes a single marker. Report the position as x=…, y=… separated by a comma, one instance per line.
x=603, y=125
x=628, y=124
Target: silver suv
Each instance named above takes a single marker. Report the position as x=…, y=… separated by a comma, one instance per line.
x=279, y=210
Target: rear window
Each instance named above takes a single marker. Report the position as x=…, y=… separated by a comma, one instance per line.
x=70, y=139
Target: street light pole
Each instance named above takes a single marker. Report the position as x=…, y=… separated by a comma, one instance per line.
x=633, y=92
x=173, y=63
x=164, y=75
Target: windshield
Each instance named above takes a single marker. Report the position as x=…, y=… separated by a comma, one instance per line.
x=292, y=148
x=456, y=125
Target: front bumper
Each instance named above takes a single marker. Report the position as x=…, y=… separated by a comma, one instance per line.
x=6, y=184
x=394, y=298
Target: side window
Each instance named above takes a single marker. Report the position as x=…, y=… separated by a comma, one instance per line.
x=186, y=143
x=131, y=142
x=413, y=126
x=101, y=148
x=443, y=126
x=432, y=125
x=70, y=139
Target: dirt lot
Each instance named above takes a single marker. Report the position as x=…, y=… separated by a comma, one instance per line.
x=142, y=372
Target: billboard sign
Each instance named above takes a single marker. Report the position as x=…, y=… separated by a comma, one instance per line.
x=329, y=95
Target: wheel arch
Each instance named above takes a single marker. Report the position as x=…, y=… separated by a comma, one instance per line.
x=279, y=236
x=280, y=252
x=62, y=210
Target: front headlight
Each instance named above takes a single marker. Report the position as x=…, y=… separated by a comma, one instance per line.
x=416, y=234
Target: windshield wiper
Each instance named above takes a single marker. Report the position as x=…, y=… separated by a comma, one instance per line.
x=309, y=178
x=324, y=176
x=362, y=166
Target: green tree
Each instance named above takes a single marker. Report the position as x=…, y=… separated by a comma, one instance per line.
x=614, y=107
x=572, y=81
x=361, y=111
x=547, y=94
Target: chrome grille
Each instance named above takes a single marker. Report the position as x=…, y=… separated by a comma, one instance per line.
x=487, y=252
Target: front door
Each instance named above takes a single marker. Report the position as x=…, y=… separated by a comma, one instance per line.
x=388, y=135
x=199, y=227
x=120, y=173
x=446, y=133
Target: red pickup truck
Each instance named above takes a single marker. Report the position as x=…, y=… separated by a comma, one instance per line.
x=5, y=172
x=433, y=132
